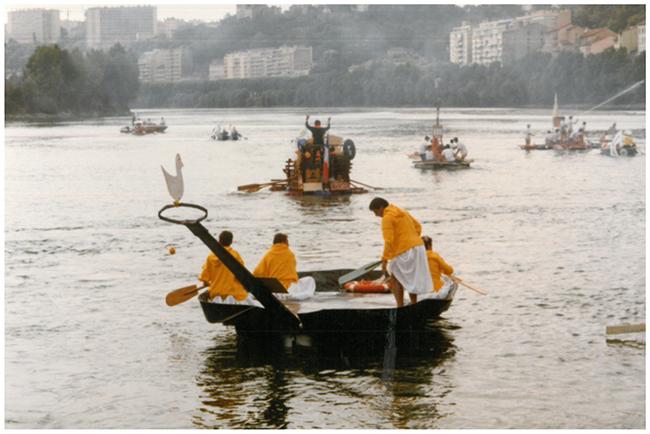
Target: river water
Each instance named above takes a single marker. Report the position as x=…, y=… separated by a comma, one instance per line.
x=558, y=241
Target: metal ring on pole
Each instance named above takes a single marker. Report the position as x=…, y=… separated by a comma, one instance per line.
x=182, y=222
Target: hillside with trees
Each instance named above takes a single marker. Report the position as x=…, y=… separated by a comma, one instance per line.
x=532, y=82
x=57, y=82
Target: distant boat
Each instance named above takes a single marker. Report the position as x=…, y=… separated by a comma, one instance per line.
x=141, y=127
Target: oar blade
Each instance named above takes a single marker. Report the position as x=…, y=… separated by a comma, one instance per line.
x=181, y=295
x=352, y=275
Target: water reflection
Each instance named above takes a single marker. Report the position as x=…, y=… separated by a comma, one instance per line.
x=381, y=380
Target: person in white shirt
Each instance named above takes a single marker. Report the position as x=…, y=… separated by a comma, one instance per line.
x=448, y=154
x=460, y=150
x=423, y=148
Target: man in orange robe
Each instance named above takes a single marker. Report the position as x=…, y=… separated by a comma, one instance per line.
x=279, y=262
x=222, y=282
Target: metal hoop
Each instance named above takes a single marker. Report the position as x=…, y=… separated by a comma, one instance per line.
x=182, y=222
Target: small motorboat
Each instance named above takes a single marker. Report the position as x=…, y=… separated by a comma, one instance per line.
x=622, y=145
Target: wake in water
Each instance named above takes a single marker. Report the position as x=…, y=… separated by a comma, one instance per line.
x=623, y=92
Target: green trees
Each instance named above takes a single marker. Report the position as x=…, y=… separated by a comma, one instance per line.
x=57, y=81
x=531, y=81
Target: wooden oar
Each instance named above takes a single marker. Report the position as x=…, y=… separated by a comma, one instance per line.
x=459, y=281
x=366, y=185
x=252, y=188
x=182, y=294
x=352, y=275
x=625, y=328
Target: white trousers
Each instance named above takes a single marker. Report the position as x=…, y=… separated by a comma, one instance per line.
x=411, y=269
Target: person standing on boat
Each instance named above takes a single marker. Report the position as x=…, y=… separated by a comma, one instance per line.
x=221, y=280
x=317, y=132
x=279, y=262
x=404, y=257
x=529, y=135
x=437, y=265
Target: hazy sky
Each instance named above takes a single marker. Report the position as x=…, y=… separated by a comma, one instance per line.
x=192, y=11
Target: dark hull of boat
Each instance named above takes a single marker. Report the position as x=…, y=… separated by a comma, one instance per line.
x=536, y=147
x=333, y=318
x=437, y=165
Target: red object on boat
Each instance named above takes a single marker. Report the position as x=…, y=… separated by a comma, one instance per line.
x=366, y=286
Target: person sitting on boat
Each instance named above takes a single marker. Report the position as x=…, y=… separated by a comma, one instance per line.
x=162, y=121
x=448, y=154
x=404, y=257
x=437, y=265
x=317, y=132
x=424, y=147
x=279, y=262
x=459, y=149
x=234, y=134
x=223, y=283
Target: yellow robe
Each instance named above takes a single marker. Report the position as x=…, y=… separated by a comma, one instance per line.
x=438, y=266
x=279, y=262
x=222, y=282
x=400, y=230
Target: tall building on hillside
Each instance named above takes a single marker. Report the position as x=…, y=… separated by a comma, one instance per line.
x=641, y=33
x=504, y=40
x=161, y=66
x=106, y=26
x=216, y=70
x=268, y=62
x=460, y=44
x=40, y=26
x=519, y=41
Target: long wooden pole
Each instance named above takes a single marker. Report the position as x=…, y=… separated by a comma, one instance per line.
x=466, y=285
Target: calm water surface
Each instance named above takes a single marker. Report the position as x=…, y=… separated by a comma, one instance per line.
x=558, y=240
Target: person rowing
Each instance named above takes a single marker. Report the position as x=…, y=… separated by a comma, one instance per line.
x=437, y=265
x=222, y=283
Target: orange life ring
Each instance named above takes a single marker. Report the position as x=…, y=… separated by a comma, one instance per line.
x=365, y=286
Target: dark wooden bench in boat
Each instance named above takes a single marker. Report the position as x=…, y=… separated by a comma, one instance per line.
x=331, y=310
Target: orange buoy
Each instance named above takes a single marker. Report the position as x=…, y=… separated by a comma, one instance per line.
x=365, y=286
x=172, y=250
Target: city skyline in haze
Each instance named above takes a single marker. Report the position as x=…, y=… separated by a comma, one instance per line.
x=75, y=12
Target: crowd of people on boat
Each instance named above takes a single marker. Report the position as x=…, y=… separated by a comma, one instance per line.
x=433, y=150
x=222, y=133
x=408, y=263
x=565, y=133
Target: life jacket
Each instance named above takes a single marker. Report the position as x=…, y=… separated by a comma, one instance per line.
x=366, y=286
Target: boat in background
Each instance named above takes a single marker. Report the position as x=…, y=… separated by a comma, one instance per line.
x=561, y=137
x=141, y=127
x=621, y=145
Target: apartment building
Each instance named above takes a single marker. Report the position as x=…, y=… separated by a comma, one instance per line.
x=641, y=34
x=520, y=41
x=161, y=66
x=460, y=44
x=484, y=43
x=597, y=40
x=106, y=26
x=268, y=62
x=216, y=70
x=34, y=26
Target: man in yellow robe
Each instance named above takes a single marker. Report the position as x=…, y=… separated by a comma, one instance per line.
x=437, y=265
x=222, y=282
x=279, y=262
x=404, y=256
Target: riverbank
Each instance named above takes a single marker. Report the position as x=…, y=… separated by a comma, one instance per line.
x=61, y=117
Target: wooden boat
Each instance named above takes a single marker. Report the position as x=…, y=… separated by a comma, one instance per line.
x=141, y=128
x=328, y=312
x=563, y=139
x=442, y=165
x=320, y=169
x=331, y=311
x=621, y=145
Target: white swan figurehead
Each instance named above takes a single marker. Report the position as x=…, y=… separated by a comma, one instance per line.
x=175, y=183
